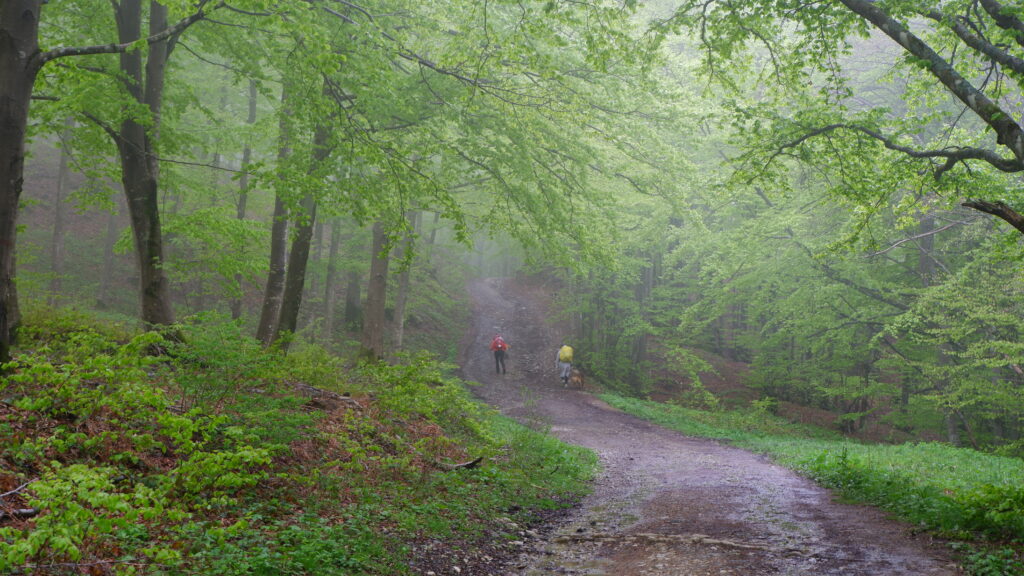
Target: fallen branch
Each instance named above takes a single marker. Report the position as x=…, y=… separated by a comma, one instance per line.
x=463, y=466
x=320, y=398
x=17, y=490
x=19, y=513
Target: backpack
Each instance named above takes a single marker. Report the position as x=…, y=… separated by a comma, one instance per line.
x=565, y=353
x=499, y=344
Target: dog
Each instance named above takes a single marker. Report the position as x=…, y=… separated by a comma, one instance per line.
x=576, y=378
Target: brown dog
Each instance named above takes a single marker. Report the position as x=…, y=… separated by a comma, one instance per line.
x=576, y=378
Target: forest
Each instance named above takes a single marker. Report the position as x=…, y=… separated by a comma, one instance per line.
x=236, y=240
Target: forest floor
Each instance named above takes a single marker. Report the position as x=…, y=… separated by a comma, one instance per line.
x=663, y=503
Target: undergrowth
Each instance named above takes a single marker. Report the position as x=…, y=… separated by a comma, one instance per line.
x=974, y=498
x=221, y=458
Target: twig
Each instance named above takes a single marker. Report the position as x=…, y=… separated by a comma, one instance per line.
x=18, y=489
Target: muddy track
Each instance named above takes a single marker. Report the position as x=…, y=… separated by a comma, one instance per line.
x=664, y=503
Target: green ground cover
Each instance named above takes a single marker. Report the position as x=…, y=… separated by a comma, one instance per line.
x=217, y=457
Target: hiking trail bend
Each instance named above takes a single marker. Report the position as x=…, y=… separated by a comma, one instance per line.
x=667, y=504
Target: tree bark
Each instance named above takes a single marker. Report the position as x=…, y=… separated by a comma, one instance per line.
x=274, y=291
x=376, y=297
x=139, y=165
x=57, y=241
x=298, y=258
x=243, y=192
x=19, y=65
x=295, y=275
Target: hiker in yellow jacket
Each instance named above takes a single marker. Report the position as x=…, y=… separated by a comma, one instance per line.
x=564, y=362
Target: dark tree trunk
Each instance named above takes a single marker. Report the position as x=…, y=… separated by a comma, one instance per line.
x=298, y=258
x=332, y=259
x=139, y=166
x=57, y=242
x=295, y=277
x=376, y=297
x=243, y=193
x=274, y=291
x=19, y=49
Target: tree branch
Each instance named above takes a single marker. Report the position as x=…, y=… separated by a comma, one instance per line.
x=166, y=34
x=915, y=237
x=978, y=43
x=998, y=209
x=952, y=155
x=1008, y=132
x=1003, y=19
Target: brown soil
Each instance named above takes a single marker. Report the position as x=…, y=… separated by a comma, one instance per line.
x=664, y=503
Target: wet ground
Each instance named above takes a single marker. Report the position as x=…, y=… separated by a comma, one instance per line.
x=664, y=503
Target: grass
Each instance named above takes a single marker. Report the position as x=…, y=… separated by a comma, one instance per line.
x=957, y=493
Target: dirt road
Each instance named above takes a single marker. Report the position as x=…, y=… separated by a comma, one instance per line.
x=666, y=504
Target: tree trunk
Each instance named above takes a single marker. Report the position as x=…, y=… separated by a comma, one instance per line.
x=57, y=242
x=376, y=297
x=274, y=291
x=139, y=166
x=298, y=258
x=243, y=193
x=19, y=46
x=402, y=295
x=295, y=277
x=332, y=257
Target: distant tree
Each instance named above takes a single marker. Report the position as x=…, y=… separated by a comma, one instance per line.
x=376, y=296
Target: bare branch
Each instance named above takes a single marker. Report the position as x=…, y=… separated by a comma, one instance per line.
x=19, y=513
x=18, y=489
x=916, y=237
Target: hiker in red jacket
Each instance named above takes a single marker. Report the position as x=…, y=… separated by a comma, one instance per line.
x=499, y=346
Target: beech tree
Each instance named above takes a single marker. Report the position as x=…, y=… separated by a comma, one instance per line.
x=973, y=51
x=21, y=60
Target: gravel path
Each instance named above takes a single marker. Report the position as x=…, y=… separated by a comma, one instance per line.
x=664, y=503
